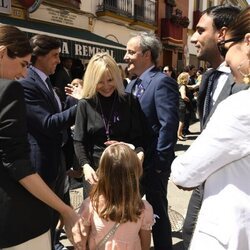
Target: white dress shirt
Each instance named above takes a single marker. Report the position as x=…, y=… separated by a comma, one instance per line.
x=220, y=156
x=221, y=80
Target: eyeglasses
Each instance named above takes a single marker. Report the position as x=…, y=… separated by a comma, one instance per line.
x=166, y=70
x=221, y=45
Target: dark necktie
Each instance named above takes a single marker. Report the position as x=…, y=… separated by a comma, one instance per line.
x=139, y=89
x=212, y=84
x=52, y=93
x=64, y=132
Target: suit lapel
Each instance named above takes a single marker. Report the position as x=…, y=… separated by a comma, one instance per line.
x=204, y=83
x=225, y=92
x=145, y=82
x=147, y=79
x=202, y=91
x=41, y=85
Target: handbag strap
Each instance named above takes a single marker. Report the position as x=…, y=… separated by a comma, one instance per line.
x=108, y=235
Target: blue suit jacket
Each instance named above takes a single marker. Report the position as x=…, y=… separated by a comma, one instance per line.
x=45, y=126
x=160, y=104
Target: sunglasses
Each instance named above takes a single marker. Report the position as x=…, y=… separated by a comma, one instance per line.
x=221, y=45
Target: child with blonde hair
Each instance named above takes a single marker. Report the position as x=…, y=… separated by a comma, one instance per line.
x=115, y=216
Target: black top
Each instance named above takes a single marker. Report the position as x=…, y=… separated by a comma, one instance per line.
x=91, y=128
x=22, y=216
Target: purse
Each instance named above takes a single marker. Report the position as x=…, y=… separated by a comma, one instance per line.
x=107, y=236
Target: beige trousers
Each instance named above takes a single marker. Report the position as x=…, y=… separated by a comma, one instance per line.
x=42, y=242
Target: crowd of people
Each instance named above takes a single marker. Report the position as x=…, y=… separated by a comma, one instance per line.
x=117, y=133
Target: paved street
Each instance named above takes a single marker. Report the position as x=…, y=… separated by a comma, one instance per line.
x=178, y=199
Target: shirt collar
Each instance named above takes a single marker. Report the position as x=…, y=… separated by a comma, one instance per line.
x=223, y=68
x=41, y=74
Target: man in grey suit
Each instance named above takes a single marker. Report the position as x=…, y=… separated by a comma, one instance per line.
x=217, y=84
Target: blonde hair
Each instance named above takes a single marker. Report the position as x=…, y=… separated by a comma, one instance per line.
x=97, y=66
x=183, y=78
x=118, y=172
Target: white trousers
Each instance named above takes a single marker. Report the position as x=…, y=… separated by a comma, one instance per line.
x=42, y=242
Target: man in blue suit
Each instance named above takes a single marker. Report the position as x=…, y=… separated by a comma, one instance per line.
x=159, y=98
x=46, y=119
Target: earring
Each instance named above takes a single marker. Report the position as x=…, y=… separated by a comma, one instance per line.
x=246, y=77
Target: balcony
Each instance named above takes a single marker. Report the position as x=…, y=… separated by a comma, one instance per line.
x=128, y=11
x=115, y=9
x=171, y=33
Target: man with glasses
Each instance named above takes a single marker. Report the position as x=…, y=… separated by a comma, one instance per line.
x=159, y=99
x=217, y=84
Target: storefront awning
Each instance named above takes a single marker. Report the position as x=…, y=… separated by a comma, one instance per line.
x=76, y=43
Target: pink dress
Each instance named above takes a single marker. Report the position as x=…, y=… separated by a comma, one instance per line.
x=126, y=237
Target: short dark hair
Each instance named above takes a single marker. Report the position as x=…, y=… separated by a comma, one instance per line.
x=42, y=45
x=15, y=40
x=223, y=15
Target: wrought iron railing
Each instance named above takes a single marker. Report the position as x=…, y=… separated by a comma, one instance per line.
x=145, y=11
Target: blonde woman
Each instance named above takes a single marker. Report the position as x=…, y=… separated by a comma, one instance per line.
x=182, y=81
x=115, y=203
x=105, y=115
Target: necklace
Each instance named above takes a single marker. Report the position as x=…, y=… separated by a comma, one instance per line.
x=107, y=122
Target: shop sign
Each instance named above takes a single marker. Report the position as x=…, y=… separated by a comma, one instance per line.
x=82, y=50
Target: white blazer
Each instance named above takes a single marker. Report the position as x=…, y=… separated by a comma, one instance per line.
x=220, y=157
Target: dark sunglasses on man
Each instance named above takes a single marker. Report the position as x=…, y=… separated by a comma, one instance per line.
x=221, y=45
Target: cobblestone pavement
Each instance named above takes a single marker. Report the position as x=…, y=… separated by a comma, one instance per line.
x=178, y=199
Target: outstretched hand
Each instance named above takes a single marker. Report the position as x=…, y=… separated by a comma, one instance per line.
x=90, y=174
x=74, y=91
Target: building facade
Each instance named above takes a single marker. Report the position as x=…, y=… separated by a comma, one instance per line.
x=89, y=26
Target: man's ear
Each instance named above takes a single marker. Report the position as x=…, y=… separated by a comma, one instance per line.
x=147, y=53
x=222, y=33
x=2, y=51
